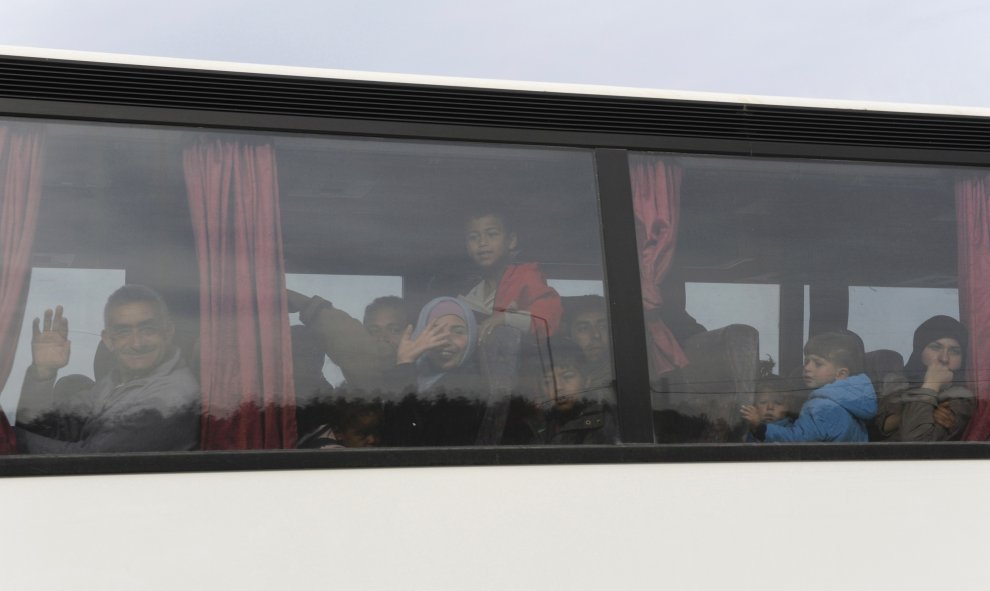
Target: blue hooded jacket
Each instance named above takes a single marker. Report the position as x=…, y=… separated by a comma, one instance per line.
x=834, y=412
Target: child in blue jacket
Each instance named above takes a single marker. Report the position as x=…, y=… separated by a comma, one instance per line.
x=843, y=398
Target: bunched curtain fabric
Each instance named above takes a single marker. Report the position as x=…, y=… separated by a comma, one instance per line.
x=973, y=222
x=656, y=188
x=21, y=161
x=246, y=360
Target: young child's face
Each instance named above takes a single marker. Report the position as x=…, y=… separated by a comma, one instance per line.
x=819, y=371
x=455, y=334
x=564, y=386
x=363, y=433
x=488, y=242
x=771, y=406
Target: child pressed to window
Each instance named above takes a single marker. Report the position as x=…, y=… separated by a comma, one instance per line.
x=510, y=293
x=842, y=397
x=773, y=404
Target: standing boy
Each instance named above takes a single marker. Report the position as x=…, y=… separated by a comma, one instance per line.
x=511, y=293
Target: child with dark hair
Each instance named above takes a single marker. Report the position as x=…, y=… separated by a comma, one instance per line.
x=578, y=412
x=509, y=293
x=355, y=423
x=930, y=402
x=842, y=397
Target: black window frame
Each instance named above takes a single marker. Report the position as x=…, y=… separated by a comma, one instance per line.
x=611, y=126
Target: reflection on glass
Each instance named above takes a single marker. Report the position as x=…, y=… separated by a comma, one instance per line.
x=334, y=293
x=746, y=261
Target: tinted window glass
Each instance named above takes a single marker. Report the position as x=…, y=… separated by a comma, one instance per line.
x=420, y=307
x=751, y=268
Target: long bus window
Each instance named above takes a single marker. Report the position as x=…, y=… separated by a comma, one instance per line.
x=752, y=270
x=418, y=276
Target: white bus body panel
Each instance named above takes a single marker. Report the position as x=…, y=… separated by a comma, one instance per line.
x=810, y=525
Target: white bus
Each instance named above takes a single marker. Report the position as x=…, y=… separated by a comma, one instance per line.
x=632, y=275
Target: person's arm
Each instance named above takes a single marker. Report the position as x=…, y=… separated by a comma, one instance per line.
x=147, y=431
x=538, y=303
x=812, y=423
x=361, y=358
x=749, y=414
x=917, y=416
x=37, y=398
x=956, y=406
x=918, y=419
x=545, y=308
x=50, y=351
x=889, y=410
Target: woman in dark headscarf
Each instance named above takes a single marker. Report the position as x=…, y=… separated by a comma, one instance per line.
x=932, y=402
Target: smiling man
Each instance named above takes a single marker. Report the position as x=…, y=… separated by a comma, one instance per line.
x=149, y=401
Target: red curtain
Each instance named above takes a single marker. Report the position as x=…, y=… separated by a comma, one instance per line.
x=246, y=360
x=656, y=188
x=21, y=159
x=973, y=222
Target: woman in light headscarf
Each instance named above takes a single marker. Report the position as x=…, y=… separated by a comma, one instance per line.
x=442, y=343
x=444, y=394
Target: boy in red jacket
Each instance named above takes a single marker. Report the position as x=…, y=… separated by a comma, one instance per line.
x=514, y=294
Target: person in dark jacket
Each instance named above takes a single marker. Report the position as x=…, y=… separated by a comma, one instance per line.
x=575, y=412
x=930, y=401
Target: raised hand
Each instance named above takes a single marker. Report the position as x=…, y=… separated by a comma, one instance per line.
x=50, y=346
x=410, y=349
x=750, y=415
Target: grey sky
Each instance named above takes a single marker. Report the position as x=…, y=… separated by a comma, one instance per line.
x=885, y=50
